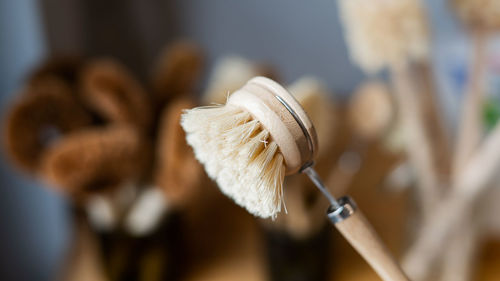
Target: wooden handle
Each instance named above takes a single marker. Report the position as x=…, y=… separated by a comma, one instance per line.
x=419, y=149
x=470, y=129
x=361, y=235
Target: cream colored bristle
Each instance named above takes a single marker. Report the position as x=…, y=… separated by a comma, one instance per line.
x=483, y=14
x=239, y=154
x=383, y=33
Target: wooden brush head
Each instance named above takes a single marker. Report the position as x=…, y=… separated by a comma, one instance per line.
x=283, y=117
x=384, y=33
x=478, y=14
x=371, y=110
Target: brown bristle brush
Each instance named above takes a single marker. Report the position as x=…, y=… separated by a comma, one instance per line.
x=42, y=115
x=97, y=159
x=177, y=71
x=262, y=134
x=66, y=68
x=115, y=95
x=177, y=171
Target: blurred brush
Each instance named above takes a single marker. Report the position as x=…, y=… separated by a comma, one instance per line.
x=177, y=72
x=96, y=160
x=384, y=33
x=42, y=115
x=435, y=122
x=66, y=68
x=460, y=253
x=478, y=14
x=371, y=110
x=114, y=94
x=177, y=171
x=471, y=127
x=229, y=74
x=393, y=34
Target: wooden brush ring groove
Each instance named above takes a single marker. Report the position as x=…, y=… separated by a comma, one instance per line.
x=310, y=148
x=278, y=90
x=258, y=97
x=272, y=122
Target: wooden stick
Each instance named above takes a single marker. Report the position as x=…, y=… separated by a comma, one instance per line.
x=357, y=230
x=471, y=125
x=418, y=147
x=434, y=120
x=459, y=257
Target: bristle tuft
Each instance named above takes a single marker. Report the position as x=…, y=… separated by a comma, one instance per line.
x=384, y=32
x=482, y=14
x=239, y=154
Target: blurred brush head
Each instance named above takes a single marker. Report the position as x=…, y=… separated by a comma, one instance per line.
x=228, y=75
x=177, y=172
x=478, y=14
x=114, y=94
x=66, y=68
x=371, y=110
x=249, y=144
x=42, y=115
x=96, y=160
x=383, y=33
x=177, y=71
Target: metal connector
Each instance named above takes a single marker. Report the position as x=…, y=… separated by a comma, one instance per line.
x=309, y=171
x=346, y=208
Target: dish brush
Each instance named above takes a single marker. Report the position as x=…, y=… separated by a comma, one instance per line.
x=260, y=135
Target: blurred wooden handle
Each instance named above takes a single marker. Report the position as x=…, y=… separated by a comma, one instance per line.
x=361, y=235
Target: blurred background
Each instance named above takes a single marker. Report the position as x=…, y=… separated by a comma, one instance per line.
x=284, y=39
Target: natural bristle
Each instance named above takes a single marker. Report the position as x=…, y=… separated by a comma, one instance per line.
x=483, y=14
x=239, y=154
x=384, y=32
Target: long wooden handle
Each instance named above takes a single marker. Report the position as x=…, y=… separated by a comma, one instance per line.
x=418, y=145
x=361, y=235
x=471, y=124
